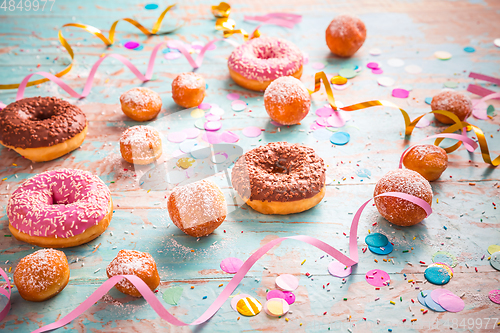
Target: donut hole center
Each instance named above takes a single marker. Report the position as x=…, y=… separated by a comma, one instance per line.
x=280, y=167
x=42, y=115
x=265, y=53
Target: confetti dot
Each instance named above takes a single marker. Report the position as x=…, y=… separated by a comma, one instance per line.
x=428, y=100
x=372, y=65
x=275, y=294
x=437, y=275
x=151, y=6
x=423, y=295
x=229, y=137
x=251, y=131
x=289, y=297
x=211, y=137
x=200, y=124
x=431, y=304
x=233, y=96
x=377, y=71
x=423, y=122
x=445, y=257
x=276, y=124
x=347, y=73
x=172, y=295
x=341, y=87
x=386, y=81
x=336, y=120
x=443, y=265
x=451, y=302
x=364, y=173
x=494, y=296
x=248, y=306
x=338, y=269
x=450, y=84
x=413, y=69
x=197, y=113
x=322, y=121
x=238, y=105
x=139, y=48
x=317, y=65
x=217, y=111
x=400, y=93
x=187, y=146
x=176, y=137
x=382, y=249
x=497, y=42
x=235, y=300
x=276, y=307
x=442, y=55
x=172, y=55
x=324, y=112
x=376, y=239
x=322, y=134
x=213, y=125
x=395, y=62
x=131, y=45
x=340, y=138
x=201, y=151
x=377, y=277
x=339, y=80
x=495, y=260
x=375, y=52
x=231, y=265
x=191, y=133
x=185, y=162
x=204, y=106
x=469, y=49
x=212, y=117
x=493, y=248
x=287, y=282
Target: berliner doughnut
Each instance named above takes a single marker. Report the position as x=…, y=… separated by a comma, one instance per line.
x=140, y=145
x=280, y=178
x=287, y=100
x=428, y=160
x=41, y=275
x=188, y=89
x=345, y=35
x=42, y=128
x=141, y=104
x=399, y=211
x=197, y=208
x=140, y=264
x=453, y=101
x=60, y=208
x=260, y=61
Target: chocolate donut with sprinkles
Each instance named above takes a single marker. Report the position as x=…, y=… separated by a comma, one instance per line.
x=60, y=208
x=260, y=61
x=280, y=178
x=42, y=128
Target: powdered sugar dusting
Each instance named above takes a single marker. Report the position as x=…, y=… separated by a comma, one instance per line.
x=266, y=58
x=453, y=101
x=284, y=91
x=429, y=154
x=39, y=270
x=344, y=25
x=141, y=98
x=188, y=80
x=129, y=262
x=143, y=141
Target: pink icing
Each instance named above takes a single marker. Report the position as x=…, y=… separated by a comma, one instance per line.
x=266, y=58
x=58, y=203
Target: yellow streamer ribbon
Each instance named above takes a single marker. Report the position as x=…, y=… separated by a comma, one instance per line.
x=98, y=33
x=410, y=125
x=227, y=25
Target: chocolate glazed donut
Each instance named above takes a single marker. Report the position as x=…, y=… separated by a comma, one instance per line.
x=280, y=178
x=42, y=128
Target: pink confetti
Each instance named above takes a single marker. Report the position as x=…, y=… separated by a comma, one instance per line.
x=314, y=126
x=176, y=137
x=231, y=265
x=172, y=55
x=400, y=93
x=251, y=131
x=377, y=277
x=287, y=282
x=229, y=137
x=276, y=124
x=480, y=109
x=438, y=292
x=275, y=294
x=306, y=58
x=338, y=269
x=172, y=44
x=451, y=302
x=424, y=122
x=324, y=111
x=494, y=296
x=341, y=86
x=336, y=120
x=318, y=65
x=377, y=71
x=211, y=137
x=238, y=105
x=289, y=297
x=372, y=65
x=235, y=300
x=131, y=45
x=204, y=106
x=212, y=117
x=322, y=121
x=233, y=96
x=213, y=125
x=191, y=133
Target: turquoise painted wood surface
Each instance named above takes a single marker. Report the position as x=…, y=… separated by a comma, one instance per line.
x=409, y=30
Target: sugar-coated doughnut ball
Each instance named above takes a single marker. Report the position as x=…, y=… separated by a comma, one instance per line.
x=345, y=35
x=197, y=208
x=428, y=160
x=188, y=89
x=140, y=145
x=42, y=275
x=141, y=104
x=287, y=100
x=399, y=211
x=453, y=101
x=140, y=264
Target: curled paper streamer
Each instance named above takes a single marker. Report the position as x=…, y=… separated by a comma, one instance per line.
x=98, y=33
x=6, y=293
x=409, y=124
x=481, y=91
x=153, y=301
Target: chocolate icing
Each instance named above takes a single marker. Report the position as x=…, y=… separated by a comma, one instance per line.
x=279, y=171
x=40, y=122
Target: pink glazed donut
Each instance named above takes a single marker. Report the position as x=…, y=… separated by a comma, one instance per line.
x=260, y=61
x=60, y=208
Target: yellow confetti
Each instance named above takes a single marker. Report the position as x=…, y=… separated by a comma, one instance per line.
x=248, y=306
x=302, y=263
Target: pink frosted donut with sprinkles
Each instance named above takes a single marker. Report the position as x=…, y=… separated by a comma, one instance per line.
x=60, y=208
x=260, y=61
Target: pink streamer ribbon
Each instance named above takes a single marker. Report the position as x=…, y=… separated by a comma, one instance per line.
x=282, y=19
x=153, y=301
x=469, y=144
x=481, y=91
x=3, y=291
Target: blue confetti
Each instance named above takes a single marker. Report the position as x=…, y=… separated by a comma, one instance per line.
x=165, y=50
x=428, y=100
x=151, y=6
x=204, y=297
x=469, y=49
x=340, y=138
x=138, y=48
x=363, y=173
x=383, y=249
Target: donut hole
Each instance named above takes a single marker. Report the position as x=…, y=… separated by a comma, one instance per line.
x=41, y=116
x=265, y=53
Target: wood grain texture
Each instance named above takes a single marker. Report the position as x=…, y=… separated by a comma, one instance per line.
x=409, y=30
